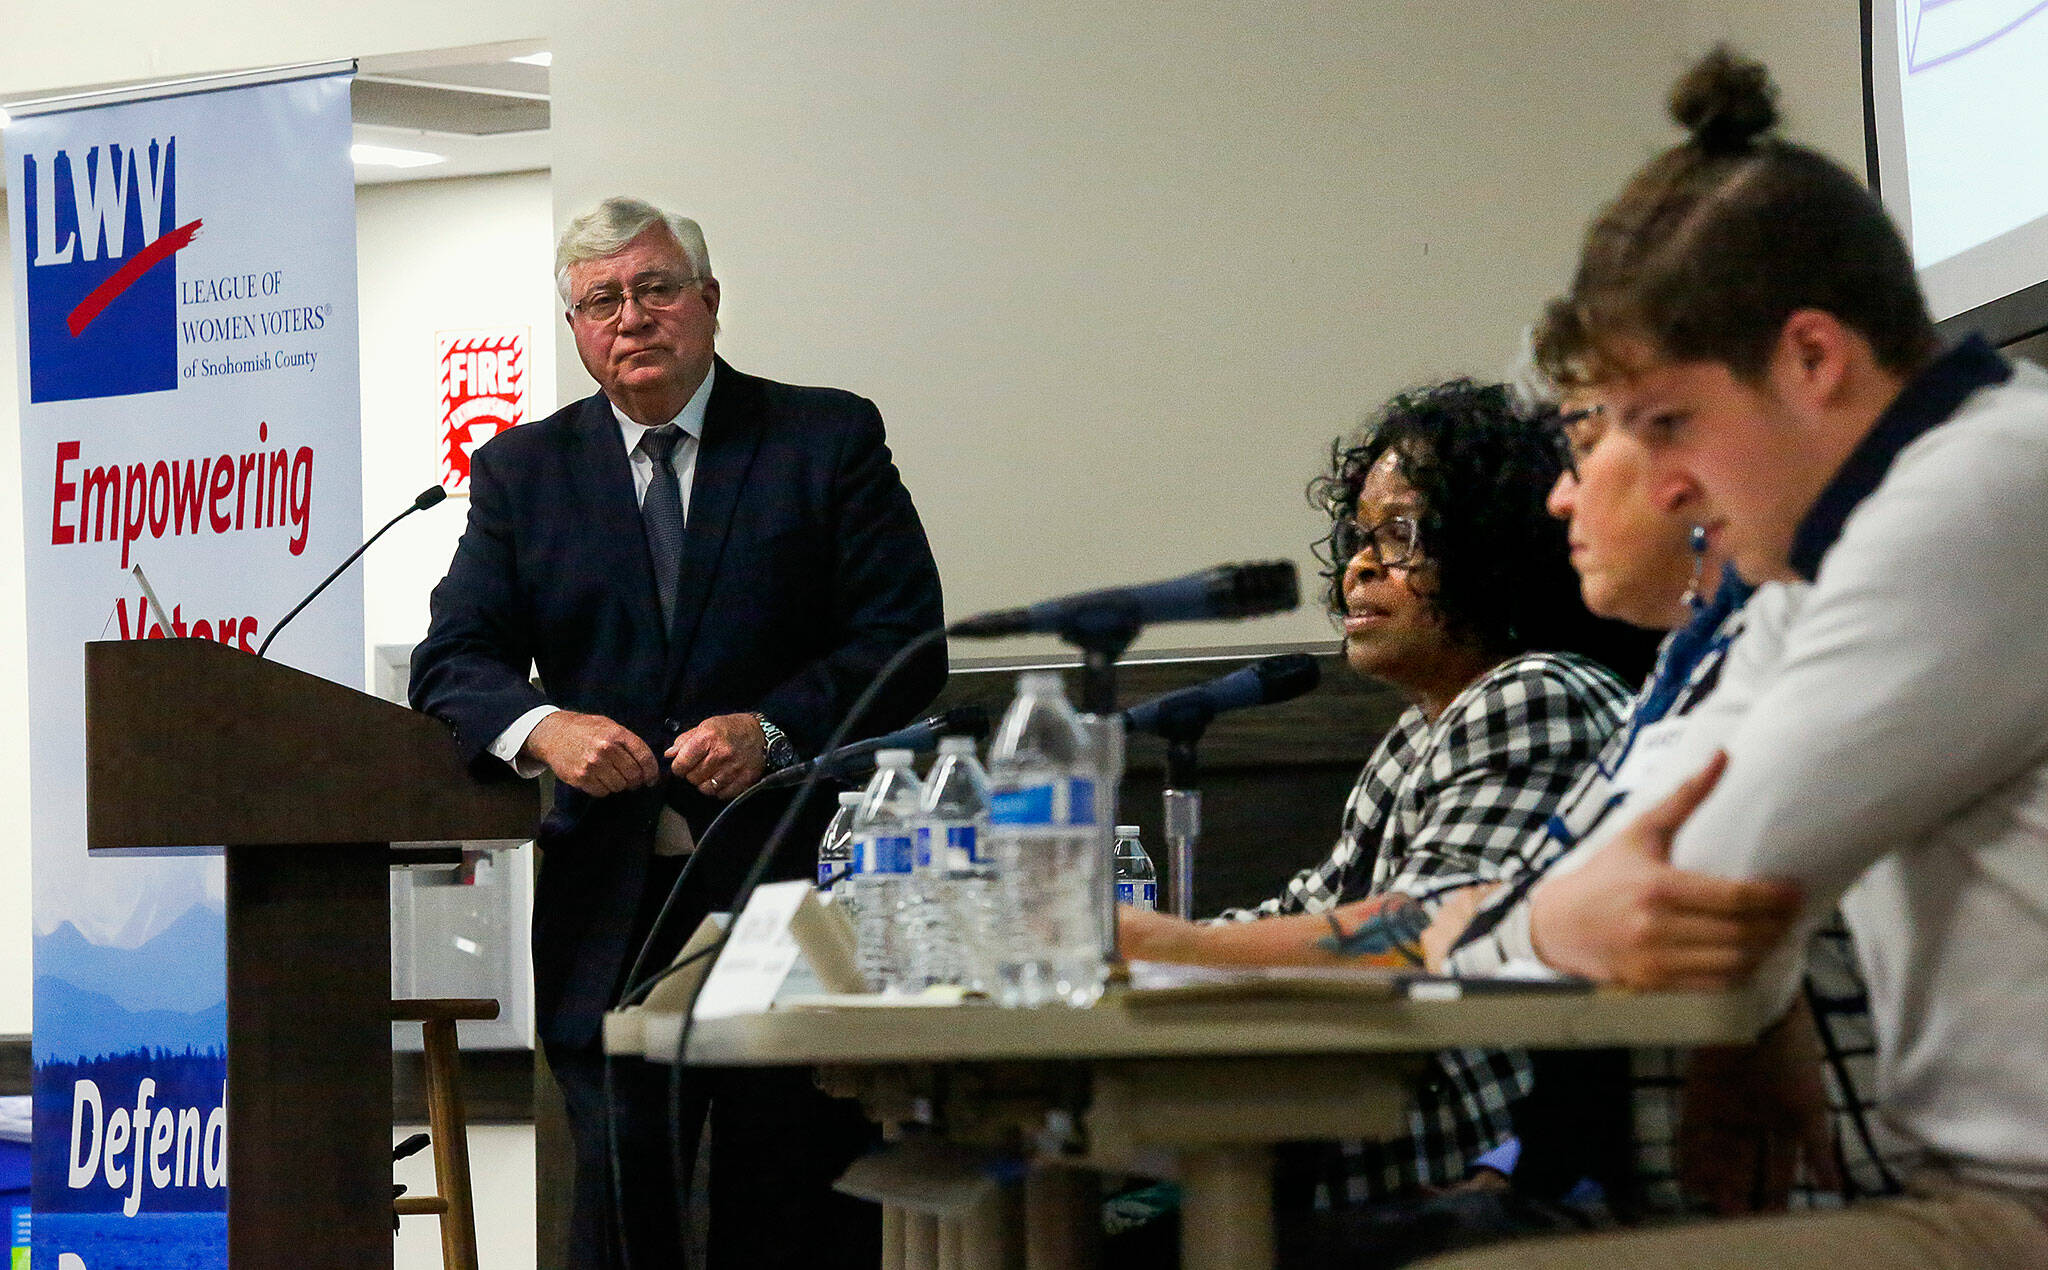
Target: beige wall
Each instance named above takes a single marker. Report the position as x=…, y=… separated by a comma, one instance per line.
x=436, y=256
x=1116, y=274
x=54, y=48
x=1815, y=51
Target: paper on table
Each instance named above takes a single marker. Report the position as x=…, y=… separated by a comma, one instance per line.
x=1164, y=982
x=1155, y=982
x=758, y=954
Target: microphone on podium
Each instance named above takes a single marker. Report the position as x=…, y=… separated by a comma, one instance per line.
x=427, y=498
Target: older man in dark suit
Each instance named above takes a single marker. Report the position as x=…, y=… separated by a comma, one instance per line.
x=705, y=568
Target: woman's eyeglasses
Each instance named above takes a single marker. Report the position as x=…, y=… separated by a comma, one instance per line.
x=1395, y=541
x=1575, y=433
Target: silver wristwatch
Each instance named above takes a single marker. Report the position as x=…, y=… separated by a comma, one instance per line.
x=781, y=752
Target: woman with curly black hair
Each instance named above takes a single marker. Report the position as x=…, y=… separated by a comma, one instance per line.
x=1454, y=585
x=1496, y=564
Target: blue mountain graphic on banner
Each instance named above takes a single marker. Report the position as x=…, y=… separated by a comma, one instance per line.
x=183, y=968
x=72, y=1023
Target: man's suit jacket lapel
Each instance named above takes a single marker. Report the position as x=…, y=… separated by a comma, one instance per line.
x=725, y=454
x=604, y=482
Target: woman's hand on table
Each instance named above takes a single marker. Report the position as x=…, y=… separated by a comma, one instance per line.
x=1454, y=912
x=1143, y=935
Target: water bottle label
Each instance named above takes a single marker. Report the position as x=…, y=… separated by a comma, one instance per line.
x=1080, y=802
x=857, y=859
x=1141, y=894
x=924, y=847
x=1058, y=803
x=961, y=846
x=891, y=854
x=825, y=872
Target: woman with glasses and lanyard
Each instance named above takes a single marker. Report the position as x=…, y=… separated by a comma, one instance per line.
x=1454, y=585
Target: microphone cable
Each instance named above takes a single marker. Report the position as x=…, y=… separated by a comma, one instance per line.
x=755, y=874
x=611, y=1134
x=636, y=991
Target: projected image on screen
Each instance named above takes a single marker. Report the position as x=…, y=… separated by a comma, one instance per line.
x=1960, y=98
x=1940, y=31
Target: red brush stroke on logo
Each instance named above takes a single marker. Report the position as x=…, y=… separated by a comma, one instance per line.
x=125, y=277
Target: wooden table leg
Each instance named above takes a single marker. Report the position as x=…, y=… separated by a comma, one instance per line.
x=992, y=1235
x=1227, y=1209
x=920, y=1242
x=894, y=1221
x=1062, y=1219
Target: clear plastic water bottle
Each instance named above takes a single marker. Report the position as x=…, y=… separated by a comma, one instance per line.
x=1137, y=882
x=835, y=849
x=1047, y=840
x=883, y=851
x=955, y=877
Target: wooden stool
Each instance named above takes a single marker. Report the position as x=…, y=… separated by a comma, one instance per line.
x=447, y=1122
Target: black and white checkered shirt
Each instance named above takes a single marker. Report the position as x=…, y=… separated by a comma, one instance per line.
x=1444, y=803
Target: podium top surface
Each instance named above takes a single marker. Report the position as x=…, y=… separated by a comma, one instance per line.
x=856, y=1031
x=191, y=744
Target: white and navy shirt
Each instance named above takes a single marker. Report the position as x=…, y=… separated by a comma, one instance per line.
x=1895, y=759
x=1887, y=733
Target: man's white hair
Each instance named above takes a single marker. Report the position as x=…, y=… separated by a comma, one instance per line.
x=608, y=227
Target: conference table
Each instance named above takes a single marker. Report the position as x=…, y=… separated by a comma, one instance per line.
x=1195, y=1081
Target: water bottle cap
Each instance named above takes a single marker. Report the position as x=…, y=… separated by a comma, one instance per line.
x=895, y=758
x=1126, y=831
x=851, y=797
x=956, y=745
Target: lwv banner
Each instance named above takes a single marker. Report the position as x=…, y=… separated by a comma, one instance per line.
x=184, y=275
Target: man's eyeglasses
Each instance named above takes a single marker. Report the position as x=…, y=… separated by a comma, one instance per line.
x=1395, y=541
x=653, y=296
x=1576, y=432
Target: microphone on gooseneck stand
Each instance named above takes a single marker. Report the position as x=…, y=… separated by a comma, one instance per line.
x=1226, y=591
x=1181, y=717
x=427, y=498
x=1103, y=623
x=850, y=762
x=1184, y=713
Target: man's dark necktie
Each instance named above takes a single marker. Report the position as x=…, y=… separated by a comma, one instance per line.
x=661, y=512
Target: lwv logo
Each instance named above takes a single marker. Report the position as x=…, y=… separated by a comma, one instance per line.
x=102, y=227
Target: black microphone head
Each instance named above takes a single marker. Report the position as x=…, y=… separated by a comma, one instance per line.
x=1288, y=675
x=969, y=720
x=428, y=497
x=1253, y=590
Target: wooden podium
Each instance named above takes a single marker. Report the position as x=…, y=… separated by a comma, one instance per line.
x=303, y=784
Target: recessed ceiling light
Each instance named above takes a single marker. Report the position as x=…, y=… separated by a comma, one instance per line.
x=536, y=59
x=387, y=157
